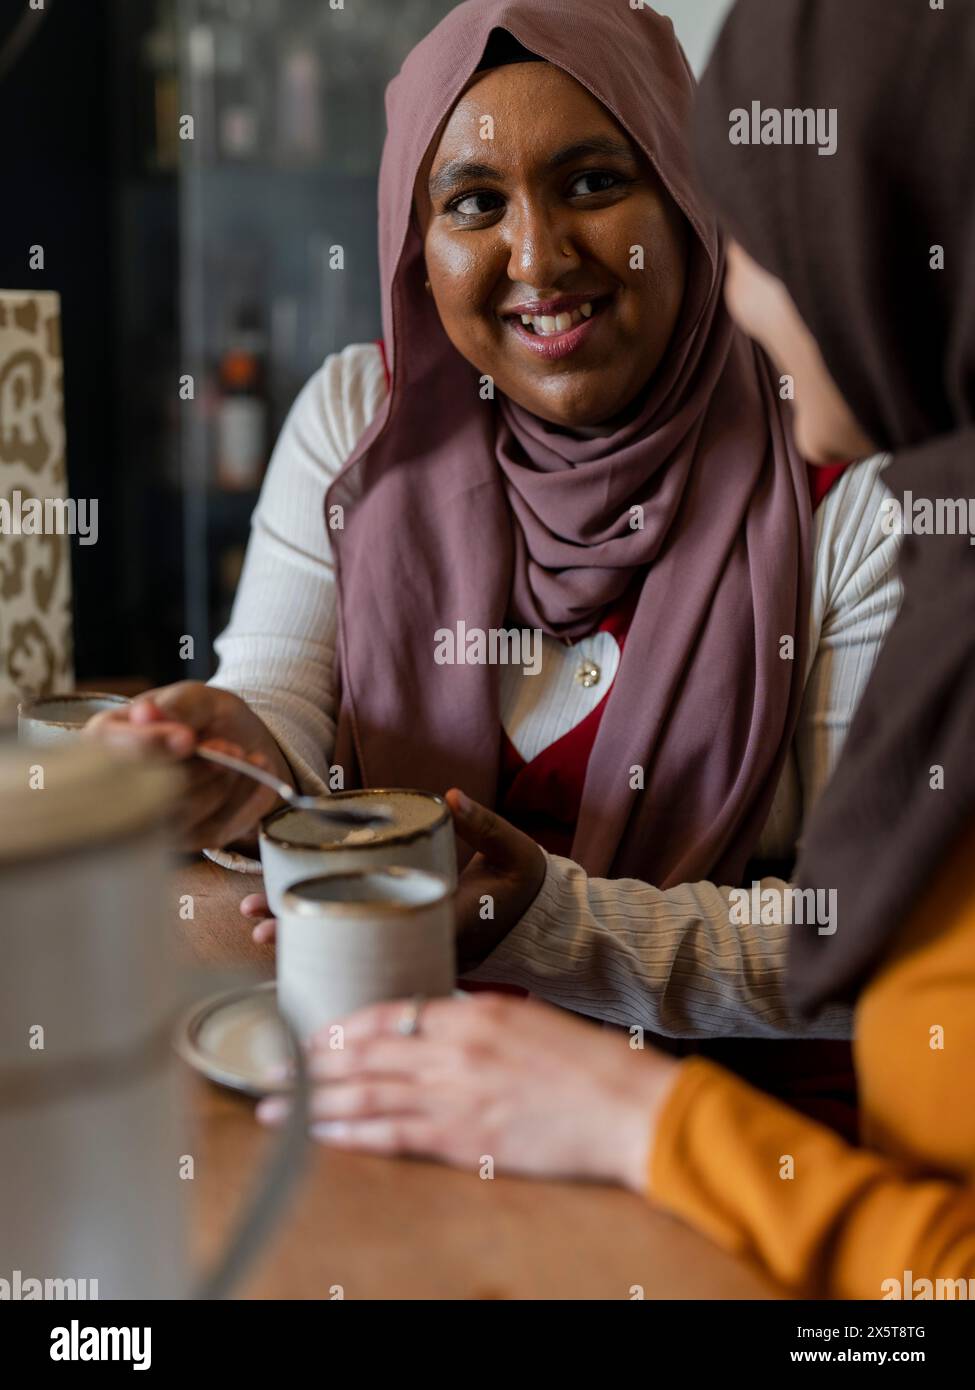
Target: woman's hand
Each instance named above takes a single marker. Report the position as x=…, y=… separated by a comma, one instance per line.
x=503, y=878
x=533, y=1088
x=218, y=806
x=255, y=905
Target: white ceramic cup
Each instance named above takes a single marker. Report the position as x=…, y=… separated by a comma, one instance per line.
x=297, y=845
x=350, y=939
x=61, y=718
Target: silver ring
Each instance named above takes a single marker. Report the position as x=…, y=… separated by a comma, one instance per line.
x=408, y=1023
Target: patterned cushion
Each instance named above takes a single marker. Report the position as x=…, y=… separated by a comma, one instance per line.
x=35, y=575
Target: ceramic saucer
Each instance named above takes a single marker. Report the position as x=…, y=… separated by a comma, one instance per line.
x=236, y=1038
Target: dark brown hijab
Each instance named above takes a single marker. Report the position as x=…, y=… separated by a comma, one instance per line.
x=461, y=509
x=853, y=236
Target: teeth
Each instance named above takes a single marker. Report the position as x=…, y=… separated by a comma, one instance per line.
x=545, y=325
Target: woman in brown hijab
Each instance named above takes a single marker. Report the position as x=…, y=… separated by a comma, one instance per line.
x=855, y=270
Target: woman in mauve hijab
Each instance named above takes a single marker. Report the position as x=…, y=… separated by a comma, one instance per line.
x=564, y=437
x=855, y=272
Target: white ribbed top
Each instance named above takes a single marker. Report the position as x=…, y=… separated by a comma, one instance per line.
x=615, y=949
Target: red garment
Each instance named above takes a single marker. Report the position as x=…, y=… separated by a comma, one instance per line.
x=543, y=797
x=822, y=479
x=382, y=352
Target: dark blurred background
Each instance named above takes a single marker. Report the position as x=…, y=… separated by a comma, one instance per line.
x=208, y=257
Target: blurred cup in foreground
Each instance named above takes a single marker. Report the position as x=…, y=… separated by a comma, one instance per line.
x=61, y=718
x=91, y=1096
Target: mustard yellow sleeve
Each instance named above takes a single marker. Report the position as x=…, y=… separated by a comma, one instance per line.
x=825, y=1218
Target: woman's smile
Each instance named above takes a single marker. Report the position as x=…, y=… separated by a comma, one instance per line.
x=555, y=329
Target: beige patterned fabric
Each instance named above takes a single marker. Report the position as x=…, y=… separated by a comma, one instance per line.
x=36, y=653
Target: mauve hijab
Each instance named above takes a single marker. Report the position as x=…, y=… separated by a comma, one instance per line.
x=853, y=236
x=460, y=509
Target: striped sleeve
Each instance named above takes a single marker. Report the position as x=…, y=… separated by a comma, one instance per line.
x=673, y=961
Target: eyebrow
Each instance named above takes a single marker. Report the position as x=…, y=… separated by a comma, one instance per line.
x=459, y=170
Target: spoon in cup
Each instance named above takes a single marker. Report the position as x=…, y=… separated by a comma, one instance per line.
x=357, y=817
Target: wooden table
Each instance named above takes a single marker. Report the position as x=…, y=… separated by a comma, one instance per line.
x=402, y=1229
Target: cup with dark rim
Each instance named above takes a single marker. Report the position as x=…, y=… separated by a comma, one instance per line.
x=59, y=718
x=297, y=845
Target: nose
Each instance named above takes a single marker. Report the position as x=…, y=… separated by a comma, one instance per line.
x=541, y=249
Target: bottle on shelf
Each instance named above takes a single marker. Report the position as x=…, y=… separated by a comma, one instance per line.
x=159, y=54
x=242, y=81
x=200, y=60
x=299, y=103
x=242, y=408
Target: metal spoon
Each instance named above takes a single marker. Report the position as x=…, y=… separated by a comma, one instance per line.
x=317, y=805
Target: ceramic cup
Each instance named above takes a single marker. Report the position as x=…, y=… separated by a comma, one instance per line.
x=350, y=939
x=60, y=718
x=297, y=845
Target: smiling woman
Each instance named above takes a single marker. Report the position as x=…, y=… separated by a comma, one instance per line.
x=562, y=432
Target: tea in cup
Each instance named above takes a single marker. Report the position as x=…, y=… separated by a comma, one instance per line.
x=298, y=844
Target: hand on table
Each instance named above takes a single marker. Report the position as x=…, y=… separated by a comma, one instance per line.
x=538, y=1090
x=218, y=806
x=508, y=867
